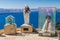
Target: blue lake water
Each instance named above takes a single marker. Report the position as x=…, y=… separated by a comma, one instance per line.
x=58, y=17
x=19, y=18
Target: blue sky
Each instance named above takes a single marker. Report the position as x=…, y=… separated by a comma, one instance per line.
x=31, y=3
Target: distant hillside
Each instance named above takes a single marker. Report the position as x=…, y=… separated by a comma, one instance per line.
x=9, y=10
x=13, y=10
x=18, y=10
x=58, y=10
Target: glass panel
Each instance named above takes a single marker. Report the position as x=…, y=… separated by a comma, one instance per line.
x=43, y=13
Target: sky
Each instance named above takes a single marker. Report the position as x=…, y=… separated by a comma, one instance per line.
x=20, y=4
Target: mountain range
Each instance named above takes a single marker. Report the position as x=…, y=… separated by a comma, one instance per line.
x=13, y=10
x=18, y=10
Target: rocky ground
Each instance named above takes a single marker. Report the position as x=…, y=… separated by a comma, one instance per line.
x=26, y=37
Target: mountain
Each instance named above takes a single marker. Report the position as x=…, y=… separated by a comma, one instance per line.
x=13, y=10
x=58, y=10
x=9, y=10
x=19, y=10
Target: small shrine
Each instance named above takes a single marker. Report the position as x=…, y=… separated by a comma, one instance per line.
x=10, y=26
x=47, y=21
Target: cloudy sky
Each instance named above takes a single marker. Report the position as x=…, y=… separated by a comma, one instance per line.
x=31, y=3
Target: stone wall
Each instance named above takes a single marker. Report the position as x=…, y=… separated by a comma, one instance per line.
x=10, y=30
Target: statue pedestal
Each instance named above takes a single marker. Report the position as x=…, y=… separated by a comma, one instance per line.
x=25, y=28
x=10, y=29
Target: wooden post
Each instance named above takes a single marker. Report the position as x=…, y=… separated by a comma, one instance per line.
x=58, y=35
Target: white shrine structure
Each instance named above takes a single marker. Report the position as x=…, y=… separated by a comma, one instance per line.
x=47, y=21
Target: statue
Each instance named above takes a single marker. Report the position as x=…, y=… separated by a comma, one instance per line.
x=47, y=25
x=26, y=15
x=10, y=19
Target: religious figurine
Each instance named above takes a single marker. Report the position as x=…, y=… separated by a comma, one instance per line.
x=26, y=15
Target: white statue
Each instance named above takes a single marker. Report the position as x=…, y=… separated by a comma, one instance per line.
x=47, y=27
x=26, y=15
